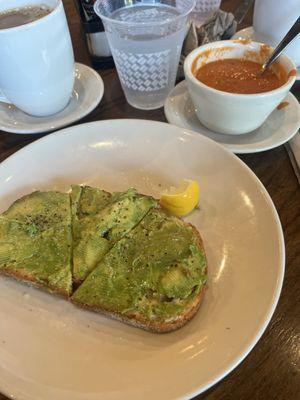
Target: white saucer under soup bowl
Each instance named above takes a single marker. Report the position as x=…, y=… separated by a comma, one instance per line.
x=281, y=125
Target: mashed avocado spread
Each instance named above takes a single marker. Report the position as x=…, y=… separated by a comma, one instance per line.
x=99, y=221
x=155, y=270
x=35, y=240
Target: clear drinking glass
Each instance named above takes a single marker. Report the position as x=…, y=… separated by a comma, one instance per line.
x=145, y=37
x=204, y=9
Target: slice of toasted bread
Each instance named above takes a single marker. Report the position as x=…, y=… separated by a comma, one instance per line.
x=153, y=278
x=152, y=271
x=100, y=221
x=35, y=241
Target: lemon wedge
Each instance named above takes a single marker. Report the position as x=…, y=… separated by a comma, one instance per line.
x=182, y=200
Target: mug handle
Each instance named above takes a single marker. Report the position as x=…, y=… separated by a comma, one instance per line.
x=3, y=98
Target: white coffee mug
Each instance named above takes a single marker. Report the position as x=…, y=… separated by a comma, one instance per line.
x=37, y=61
x=273, y=19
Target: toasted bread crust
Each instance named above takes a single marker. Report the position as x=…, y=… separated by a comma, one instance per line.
x=22, y=276
x=139, y=321
x=157, y=326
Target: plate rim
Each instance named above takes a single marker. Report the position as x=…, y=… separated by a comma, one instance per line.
x=269, y=202
x=232, y=148
x=59, y=125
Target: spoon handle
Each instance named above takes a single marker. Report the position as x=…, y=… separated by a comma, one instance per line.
x=289, y=37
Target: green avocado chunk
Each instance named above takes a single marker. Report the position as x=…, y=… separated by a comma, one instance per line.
x=35, y=240
x=86, y=200
x=100, y=221
x=155, y=270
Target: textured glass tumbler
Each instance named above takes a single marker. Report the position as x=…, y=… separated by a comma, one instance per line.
x=145, y=38
x=204, y=9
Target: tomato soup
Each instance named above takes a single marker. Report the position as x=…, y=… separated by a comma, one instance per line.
x=235, y=75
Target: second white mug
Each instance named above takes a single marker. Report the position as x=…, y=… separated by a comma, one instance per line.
x=272, y=21
x=37, y=61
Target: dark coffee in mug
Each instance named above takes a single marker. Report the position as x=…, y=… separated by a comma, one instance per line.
x=20, y=16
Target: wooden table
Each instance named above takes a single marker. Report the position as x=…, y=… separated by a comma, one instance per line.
x=272, y=369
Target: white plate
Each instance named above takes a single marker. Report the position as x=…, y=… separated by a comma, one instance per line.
x=248, y=33
x=87, y=94
x=51, y=350
x=280, y=127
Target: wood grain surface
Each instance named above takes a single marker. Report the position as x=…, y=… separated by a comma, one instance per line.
x=272, y=369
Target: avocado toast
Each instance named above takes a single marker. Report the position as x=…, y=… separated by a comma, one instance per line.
x=99, y=221
x=153, y=278
x=123, y=254
x=35, y=241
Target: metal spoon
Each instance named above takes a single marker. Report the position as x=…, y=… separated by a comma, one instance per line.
x=289, y=37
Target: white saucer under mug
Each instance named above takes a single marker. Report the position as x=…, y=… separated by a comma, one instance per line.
x=249, y=33
x=87, y=93
x=280, y=126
